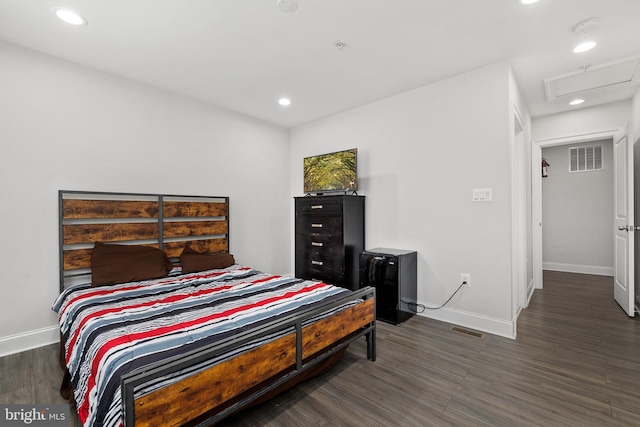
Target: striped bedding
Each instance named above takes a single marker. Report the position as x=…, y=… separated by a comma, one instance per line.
x=111, y=330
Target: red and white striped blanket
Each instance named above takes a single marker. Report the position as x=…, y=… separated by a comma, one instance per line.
x=111, y=330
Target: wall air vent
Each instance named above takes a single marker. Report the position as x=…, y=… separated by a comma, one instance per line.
x=625, y=72
x=584, y=159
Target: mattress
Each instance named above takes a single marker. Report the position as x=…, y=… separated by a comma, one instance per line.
x=112, y=330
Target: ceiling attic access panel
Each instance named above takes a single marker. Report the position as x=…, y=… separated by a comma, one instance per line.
x=589, y=79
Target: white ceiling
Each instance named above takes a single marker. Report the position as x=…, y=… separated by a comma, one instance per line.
x=245, y=54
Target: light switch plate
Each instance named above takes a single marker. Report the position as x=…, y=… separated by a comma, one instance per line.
x=482, y=195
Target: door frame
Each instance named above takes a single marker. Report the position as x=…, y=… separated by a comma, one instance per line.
x=519, y=298
x=536, y=189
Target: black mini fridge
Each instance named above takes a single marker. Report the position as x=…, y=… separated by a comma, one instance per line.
x=393, y=272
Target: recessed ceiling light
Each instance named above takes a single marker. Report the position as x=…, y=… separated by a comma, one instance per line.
x=583, y=47
x=576, y=102
x=528, y=1
x=69, y=16
x=285, y=102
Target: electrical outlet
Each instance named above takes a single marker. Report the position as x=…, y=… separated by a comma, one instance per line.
x=464, y=277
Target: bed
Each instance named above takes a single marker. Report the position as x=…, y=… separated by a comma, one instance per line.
x=200, y=341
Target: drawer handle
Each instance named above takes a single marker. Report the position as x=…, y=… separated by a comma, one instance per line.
x=317, y=263
x=316, y=225
x=317, y=244
x=317, y=206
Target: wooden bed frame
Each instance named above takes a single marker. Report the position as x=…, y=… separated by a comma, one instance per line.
x=168, y=222
x=163, y=221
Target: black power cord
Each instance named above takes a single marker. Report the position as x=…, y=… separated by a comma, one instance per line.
x=424, y=307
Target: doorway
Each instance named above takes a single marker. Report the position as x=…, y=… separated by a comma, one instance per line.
x=577, y=200
x=536, y=210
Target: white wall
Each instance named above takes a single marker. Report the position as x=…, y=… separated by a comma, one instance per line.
x=63, y=126
x=420, y=155
x=577, y=213
x=582, y=121
x=635, y=116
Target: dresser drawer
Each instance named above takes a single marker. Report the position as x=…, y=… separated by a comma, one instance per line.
x=325, y=244
x=325, y=225
x=316, y=266
x=332, y=277
x=319, y=206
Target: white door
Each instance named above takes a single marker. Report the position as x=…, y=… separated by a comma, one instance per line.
x=624, y=227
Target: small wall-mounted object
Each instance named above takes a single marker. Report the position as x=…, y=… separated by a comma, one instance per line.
x=545, y=166
x=287, y=6
x=482, y=195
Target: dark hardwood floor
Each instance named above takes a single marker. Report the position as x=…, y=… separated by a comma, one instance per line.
x=576, y=362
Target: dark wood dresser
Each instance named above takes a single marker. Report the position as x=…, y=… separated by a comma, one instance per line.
x=329, y=238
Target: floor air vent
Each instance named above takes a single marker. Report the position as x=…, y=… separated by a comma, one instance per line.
x=467, y=332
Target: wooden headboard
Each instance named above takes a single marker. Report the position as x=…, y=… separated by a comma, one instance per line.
x=163, y=221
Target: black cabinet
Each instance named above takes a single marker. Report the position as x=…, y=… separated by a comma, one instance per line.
x=393, y=273
x=329, y=238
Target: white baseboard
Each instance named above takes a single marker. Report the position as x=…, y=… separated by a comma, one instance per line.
x=576, y=268
x=486, y=324
x=27, y=340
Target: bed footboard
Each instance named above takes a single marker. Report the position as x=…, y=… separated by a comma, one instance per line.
x=232, y=384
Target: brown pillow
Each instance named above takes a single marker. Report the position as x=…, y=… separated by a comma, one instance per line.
x=193, y=261
x=112, y=264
